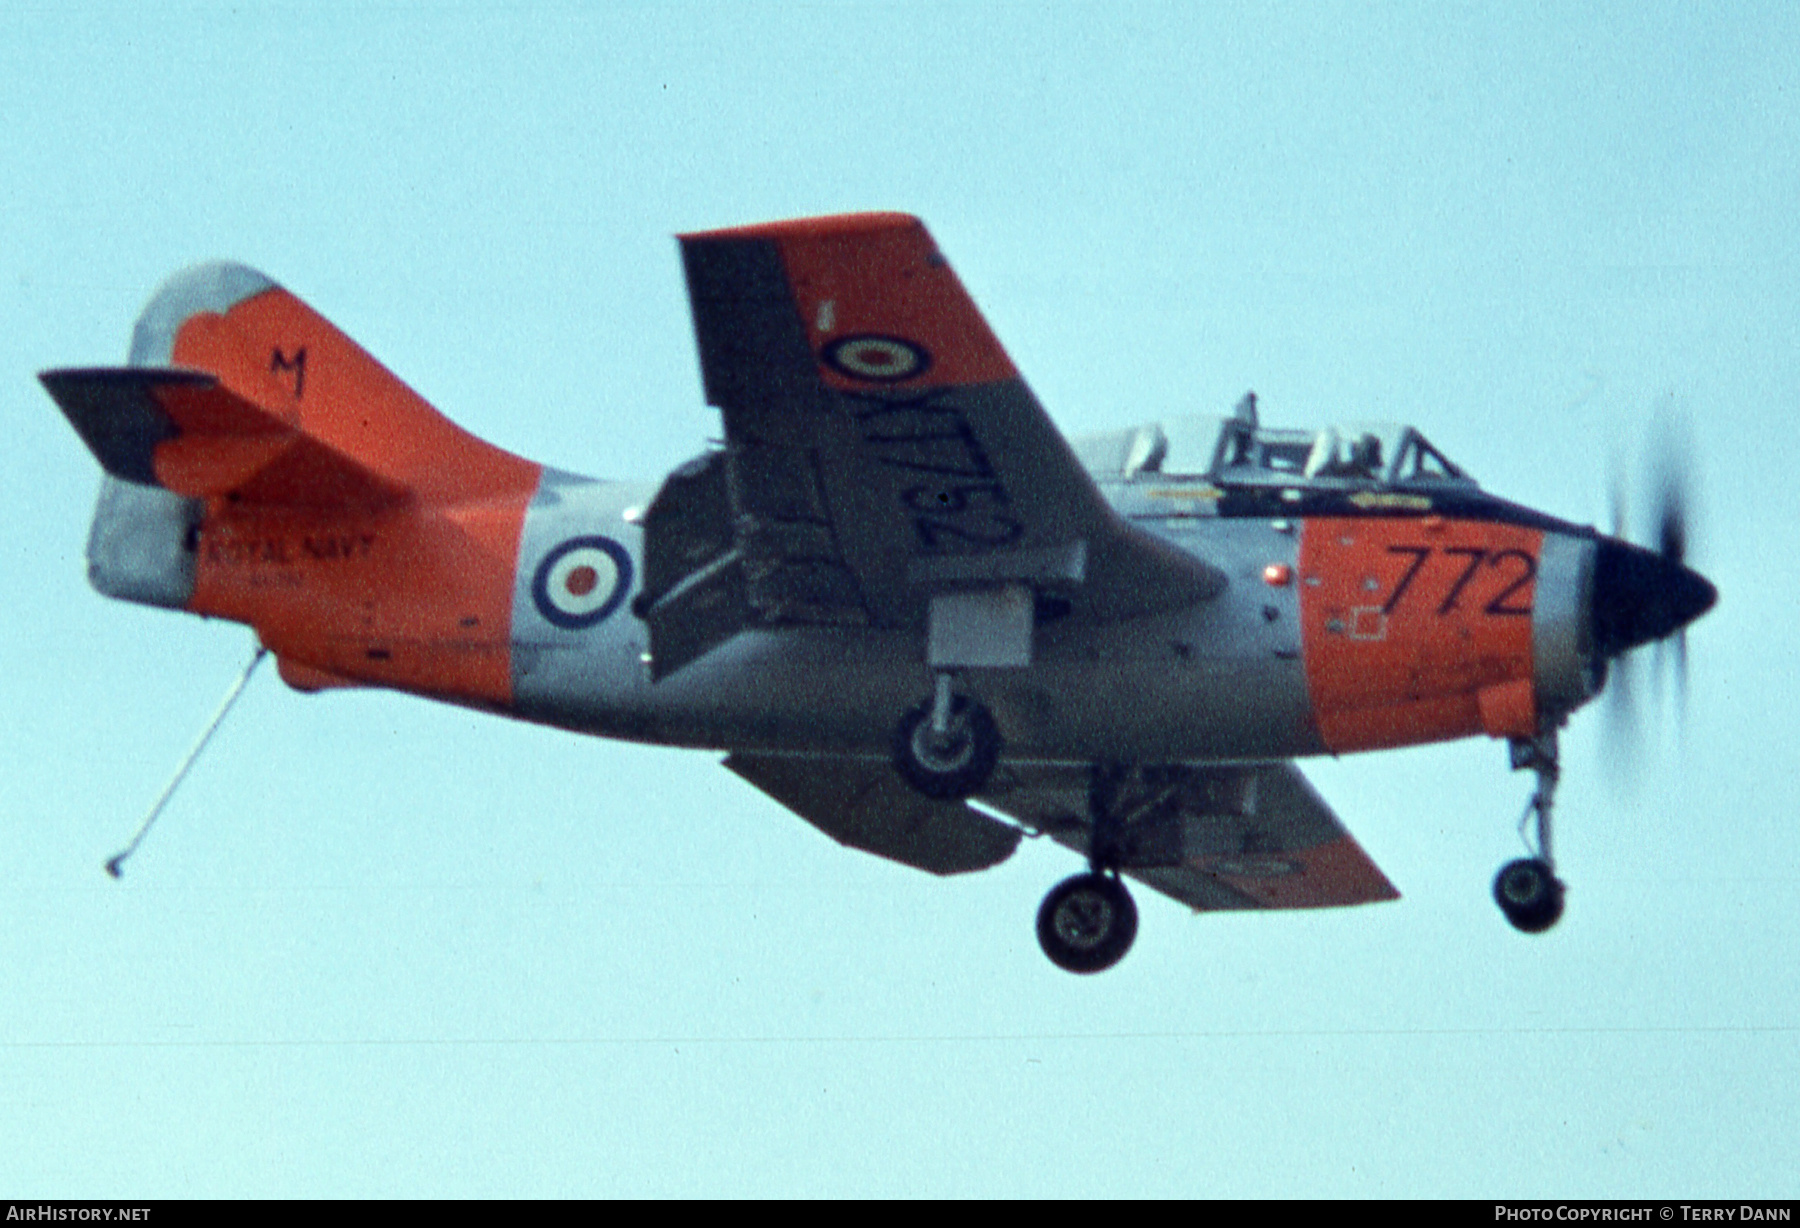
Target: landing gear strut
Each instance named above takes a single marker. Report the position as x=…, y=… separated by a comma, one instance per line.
x=1087, y=923
x=1527, y=890
x=947, y=748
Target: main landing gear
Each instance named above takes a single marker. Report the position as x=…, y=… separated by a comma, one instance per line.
x=1087, y=923
x=1527, y=890
x=947, y=748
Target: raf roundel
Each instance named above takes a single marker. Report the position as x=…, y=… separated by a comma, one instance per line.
x=870, y=356
x=581, y=581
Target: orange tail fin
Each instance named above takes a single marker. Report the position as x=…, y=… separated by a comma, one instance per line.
x=236, y=386
x=263, y=467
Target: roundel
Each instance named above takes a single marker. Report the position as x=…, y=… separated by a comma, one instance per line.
x=581, y=582
x=871, y=356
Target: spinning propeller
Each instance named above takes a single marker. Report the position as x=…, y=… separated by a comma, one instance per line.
x=1648, y=596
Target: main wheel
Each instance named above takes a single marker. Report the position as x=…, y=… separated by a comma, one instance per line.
x=1087, y=923
x=1529, y=894
x=951, y=765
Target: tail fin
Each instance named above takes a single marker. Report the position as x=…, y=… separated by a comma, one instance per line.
x=236, y=386
x=239, y=392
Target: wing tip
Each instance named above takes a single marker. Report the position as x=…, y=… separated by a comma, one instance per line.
x=825, y=226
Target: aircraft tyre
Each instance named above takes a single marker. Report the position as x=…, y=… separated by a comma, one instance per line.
x=1087, y=923
x=952, y=766
x=1530, y=895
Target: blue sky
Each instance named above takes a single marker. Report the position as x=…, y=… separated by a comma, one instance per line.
x=382, y=947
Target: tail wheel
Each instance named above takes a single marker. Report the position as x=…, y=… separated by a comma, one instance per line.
x=1530, y=895
x=1087, y=923
x=949, y=765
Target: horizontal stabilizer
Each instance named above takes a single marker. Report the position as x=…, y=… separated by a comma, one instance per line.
x=115, y=412
x=237, y=388
x=184, y=431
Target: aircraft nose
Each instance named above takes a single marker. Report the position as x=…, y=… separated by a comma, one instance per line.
x=1640, y=596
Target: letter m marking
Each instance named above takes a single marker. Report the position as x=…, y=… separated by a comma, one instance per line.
x=279, y=362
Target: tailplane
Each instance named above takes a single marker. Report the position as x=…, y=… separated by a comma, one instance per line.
x=262, y=467
x=239, y=395
x=237, y=387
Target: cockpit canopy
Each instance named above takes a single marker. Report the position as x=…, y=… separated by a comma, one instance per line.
x=1385, y=453
x=1236, y=451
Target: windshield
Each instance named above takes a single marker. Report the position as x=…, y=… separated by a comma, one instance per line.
x=1420, y=462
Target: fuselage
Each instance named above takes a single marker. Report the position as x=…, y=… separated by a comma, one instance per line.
x=1359, y=591
x=1337, y=632
x=1344, y=626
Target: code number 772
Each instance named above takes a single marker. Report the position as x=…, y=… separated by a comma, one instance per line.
x=1515, y=567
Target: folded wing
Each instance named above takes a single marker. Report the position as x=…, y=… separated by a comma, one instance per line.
x=881, y=448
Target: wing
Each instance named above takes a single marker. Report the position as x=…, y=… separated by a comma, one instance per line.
x=881, y=449
x=863, y=804
x=1214, y=838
